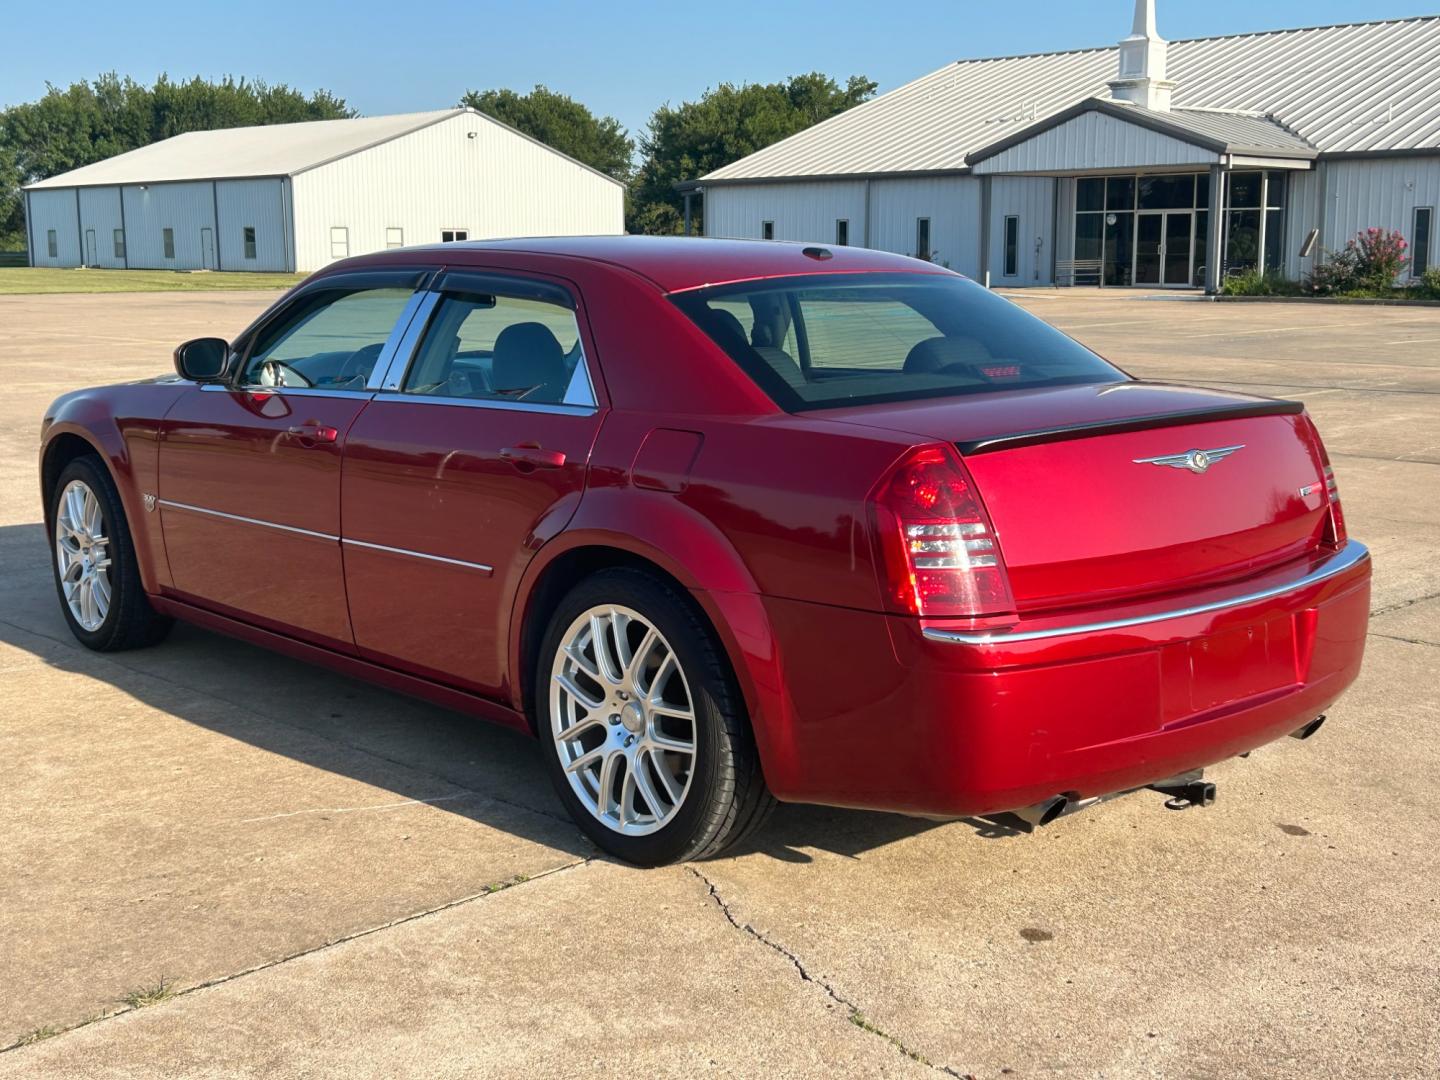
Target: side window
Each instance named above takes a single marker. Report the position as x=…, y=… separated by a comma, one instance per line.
x=329, y=339
x=249, y=238
x=492, y=347
x=339, y=242
x=167, y=237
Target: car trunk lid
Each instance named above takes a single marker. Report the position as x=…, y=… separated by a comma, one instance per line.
x=1097, y=494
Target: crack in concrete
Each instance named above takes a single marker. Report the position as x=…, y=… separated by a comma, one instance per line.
x=854, y=1014
x=1401, y=605
x=488, y=890
x=1407, y=640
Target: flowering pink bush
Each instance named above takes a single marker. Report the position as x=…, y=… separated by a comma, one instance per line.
x=1369, y=263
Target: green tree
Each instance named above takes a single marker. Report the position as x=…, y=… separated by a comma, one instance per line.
x=560, y=122
x=90, y=121
x=726, y=124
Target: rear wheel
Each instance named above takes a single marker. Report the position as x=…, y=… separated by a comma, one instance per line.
x=643, y=730
x=96, y=575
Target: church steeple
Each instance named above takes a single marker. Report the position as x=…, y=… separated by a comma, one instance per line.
x=1141, y=78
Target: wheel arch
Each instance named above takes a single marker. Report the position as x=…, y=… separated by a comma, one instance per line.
x=737, y=618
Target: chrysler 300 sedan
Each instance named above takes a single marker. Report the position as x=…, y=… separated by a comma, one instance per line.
x=722, y=523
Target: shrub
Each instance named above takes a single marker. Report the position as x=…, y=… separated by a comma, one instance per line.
x=1260, y=283
x=1368, y=266
x=1429, y=287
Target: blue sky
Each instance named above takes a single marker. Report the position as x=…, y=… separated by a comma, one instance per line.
x=619, y=58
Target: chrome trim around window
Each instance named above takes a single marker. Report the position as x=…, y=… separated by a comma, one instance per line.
x=170, y=504
x=482, y=567
x=387, y=376
x=1352, y=554
x=489, y=403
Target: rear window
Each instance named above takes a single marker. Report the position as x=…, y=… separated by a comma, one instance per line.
x=849, y=339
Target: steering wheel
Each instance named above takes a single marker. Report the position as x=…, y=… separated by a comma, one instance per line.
x=279, y=373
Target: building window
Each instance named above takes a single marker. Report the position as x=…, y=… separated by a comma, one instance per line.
x=767, y=230
x=394, y=237
x=249, y=233
x=339, y=242
x=922, y=238
x=168, y=235
x=842, y=232
x=120, y=243
x=1012, y=246
x=52, y=244
x=450, y=236
x=1420, y=241
x=1255, y=222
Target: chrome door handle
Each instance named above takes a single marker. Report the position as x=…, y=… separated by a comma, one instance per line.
x=533, y=457
x=318, y=433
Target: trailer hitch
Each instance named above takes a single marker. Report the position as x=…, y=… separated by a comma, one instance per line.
x=1186, y=790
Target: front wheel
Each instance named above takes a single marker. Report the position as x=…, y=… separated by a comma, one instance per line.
x=642, y=726
x=96, y=575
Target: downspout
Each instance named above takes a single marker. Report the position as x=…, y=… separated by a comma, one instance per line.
x=29, y=233
x=215, y=211
x=865, y=229
x=124, y=232
x=985, y=230
x=1322, y=214
x=1054, y=229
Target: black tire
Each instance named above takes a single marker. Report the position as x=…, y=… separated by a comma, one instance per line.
x=727, y=798
x=130, y=623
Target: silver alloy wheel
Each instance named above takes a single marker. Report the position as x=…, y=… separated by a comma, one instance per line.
x=82, y=555
x=623, y=720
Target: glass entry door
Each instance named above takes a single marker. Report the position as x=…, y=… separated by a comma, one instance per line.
x=1163, y=242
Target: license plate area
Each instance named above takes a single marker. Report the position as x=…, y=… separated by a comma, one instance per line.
x=1207, y=673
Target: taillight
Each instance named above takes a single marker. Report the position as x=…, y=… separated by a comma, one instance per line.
x=1334, y=533
x=940, y=553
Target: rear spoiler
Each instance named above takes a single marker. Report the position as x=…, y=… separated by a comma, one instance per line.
x=991, y=443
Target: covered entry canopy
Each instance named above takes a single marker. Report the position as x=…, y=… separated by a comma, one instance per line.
x=1100, y=135
x=1164, y=235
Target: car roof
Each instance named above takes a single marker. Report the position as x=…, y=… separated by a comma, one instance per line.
x=676, y=263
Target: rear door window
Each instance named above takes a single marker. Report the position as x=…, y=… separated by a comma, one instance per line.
x=847, y=339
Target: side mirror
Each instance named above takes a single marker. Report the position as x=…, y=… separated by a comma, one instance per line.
x=203, y=359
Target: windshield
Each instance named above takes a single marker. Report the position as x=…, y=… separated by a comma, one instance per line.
x=824, y=341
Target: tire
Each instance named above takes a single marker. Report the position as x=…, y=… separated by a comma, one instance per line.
x=630, y=710
x=116, y=614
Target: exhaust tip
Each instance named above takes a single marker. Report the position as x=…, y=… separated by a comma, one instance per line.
x=1044, y=812
x=1053, y=810
x=1303, y=733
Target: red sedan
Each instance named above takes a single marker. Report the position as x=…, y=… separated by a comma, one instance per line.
x=722, y=523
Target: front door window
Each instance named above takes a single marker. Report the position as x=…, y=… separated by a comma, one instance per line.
x=1163, y=244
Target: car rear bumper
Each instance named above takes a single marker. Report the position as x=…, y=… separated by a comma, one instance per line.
x=942, y=719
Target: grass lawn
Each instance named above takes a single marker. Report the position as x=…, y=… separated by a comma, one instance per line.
x=47, y=279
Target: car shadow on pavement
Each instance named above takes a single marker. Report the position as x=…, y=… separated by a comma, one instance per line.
x=348, y=727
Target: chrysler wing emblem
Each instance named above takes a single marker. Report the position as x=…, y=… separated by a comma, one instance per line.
x=1197, y=461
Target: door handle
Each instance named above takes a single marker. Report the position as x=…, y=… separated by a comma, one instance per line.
x=314, y=433
x=533, y=457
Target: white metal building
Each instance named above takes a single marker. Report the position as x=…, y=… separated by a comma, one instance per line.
x=297, y=196
x=1112, y=166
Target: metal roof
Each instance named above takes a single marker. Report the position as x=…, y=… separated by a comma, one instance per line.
x=1224, y=132
x=231, y=153
x=1343, y=89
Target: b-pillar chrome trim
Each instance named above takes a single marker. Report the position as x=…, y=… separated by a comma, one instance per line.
x=1352, y=554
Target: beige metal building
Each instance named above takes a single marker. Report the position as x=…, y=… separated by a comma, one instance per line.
x=297, y=196
x=1151, y=163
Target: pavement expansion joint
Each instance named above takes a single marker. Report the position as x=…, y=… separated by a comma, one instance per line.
x=853, y=1011
x=488, y=890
